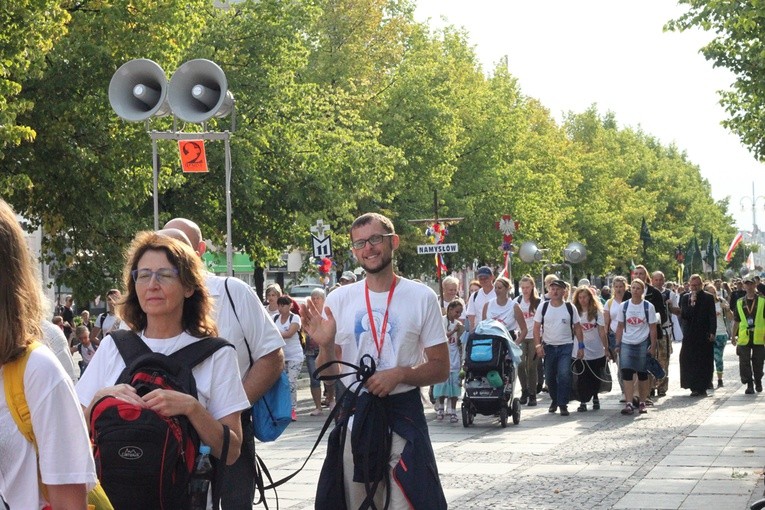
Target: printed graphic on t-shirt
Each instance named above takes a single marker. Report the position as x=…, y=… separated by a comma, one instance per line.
x=365, y=342
x=588, y=326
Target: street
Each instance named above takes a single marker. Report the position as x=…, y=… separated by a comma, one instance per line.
x=685, y=453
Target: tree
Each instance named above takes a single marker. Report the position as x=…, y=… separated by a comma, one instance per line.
x=739, y=46
x=30, y=29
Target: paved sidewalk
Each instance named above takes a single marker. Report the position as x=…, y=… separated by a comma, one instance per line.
x=685, y=452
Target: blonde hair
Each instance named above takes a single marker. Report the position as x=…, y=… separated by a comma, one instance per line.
x=20, y=289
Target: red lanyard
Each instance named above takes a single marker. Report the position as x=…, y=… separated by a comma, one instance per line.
x=379, y=341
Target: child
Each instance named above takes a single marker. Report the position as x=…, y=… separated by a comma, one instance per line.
x=451, y=388
x=84, y=346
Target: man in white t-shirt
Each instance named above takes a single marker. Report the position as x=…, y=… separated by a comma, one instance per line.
x=480, y=297
x=243, y=321
x=556, y=325
x=107, y=321
x=397, y=323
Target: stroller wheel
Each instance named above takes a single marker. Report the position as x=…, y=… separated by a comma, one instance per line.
x=465, y=416
x=516, y=411
x=503, y=416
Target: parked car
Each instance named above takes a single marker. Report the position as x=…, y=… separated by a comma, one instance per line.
x=300, y=293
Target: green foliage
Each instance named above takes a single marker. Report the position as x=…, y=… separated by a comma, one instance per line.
x=739, y=46
x=342, y=107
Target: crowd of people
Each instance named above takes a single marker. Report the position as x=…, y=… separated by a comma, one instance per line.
x=174, y=322
x=570, y=334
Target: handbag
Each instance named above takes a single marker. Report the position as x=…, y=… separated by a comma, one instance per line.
x=273, y=411
x=652, y=365
x=605, y=379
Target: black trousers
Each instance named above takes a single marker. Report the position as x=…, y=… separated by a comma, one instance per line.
x=750, y=362
x=239, y=478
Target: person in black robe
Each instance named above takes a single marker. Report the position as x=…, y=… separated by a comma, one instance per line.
x=699, y=323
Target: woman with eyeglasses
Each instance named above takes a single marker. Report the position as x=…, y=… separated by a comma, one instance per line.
x=168, y=306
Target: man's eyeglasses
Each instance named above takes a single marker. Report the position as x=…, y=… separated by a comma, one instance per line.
x=163, y=275
x=373, y=240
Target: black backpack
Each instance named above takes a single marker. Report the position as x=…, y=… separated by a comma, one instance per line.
x=144, y=460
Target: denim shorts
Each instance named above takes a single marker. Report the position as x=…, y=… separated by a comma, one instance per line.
x=633, y=357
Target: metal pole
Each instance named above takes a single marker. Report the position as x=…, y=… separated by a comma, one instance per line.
x=155, y=164
x=229, y=249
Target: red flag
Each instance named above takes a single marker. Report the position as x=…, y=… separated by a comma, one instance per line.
x=736, y=241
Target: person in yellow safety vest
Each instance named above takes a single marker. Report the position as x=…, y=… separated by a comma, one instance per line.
x=749, y=336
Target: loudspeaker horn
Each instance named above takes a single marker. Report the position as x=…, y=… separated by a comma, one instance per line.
x=575, y=252
x=138, y=91
x=199, y=91
x=529, y=252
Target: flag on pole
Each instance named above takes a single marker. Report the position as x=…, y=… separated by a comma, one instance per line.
x=506, y=271
x=709, y=255
x=440, y=265
x=736, y=241
x=750, y=261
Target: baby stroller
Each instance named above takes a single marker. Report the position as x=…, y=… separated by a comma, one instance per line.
x=491, y=358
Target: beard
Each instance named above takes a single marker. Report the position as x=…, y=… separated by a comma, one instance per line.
x=383, y=261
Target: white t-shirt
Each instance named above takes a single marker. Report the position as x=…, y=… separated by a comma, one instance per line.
x=502, y=313
x=614, y=310
x=636, y=329
x=455, y=360
x=293, y=351
x=108, y=323
x=475, y=304
x=55, y=340
x=219, y=387
x=721, y=327
x=414, y=324
x=60, y=431
x=557, y=329
x=593, y=345
x=254, y=323
x=528, y=315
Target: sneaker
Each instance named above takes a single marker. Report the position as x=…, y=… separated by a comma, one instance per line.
x=642, y=408
x=628, y=409
x=649, y=402
x=539, y=388
x=545, y=390
x=532, y=400
x=596, y=403
x=294, y=415
x=440, y=414
x=758, y=386
x=524, y=397
x=315, y=412
x=582, y=408
x=720, y=383
x=662, y=393
x=453, y=418
x=564, y=411
x=553, y=408
x=749, y=389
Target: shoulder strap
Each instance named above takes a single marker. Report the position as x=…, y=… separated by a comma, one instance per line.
x=645, y=307
x=475, y=295
x=13, y=381
x=519, y=299
x=233, y=309
x=194, y=354
x=570, y=309
x=129, y=345
x=608, y=303
x=544, y=311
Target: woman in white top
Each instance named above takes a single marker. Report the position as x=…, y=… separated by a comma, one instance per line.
x=168, y=305
x=527, y=370
x=63, y=457
x=595, y=347
x=635, y=340
x=505, y=310
x=288, y=324
x=273, y=292
x=610, y=313
x=722, y=311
